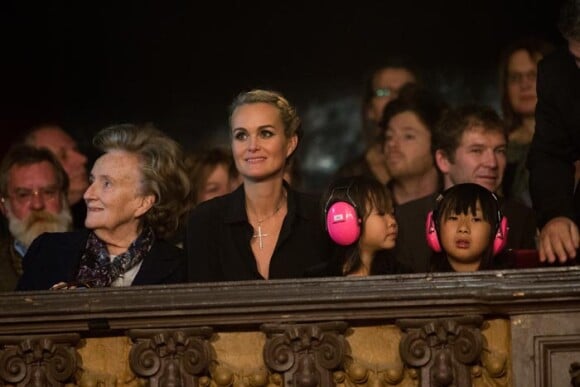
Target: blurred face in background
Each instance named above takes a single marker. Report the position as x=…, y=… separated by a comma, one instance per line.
x=521, y=82
x=480, y=158
x=35, y=204
x=574, y=49
x=407, y=146
x=67, y=152
x=386, y=85
x=217, y=184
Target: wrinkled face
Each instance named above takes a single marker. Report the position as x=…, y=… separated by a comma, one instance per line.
x=259, y=144
x=114, y=201
x=380, y=232
x=73, y=162
x=521, y=83
x=217, y=184
x=386, y=86
x=407, y=146
x=33, y=188
x=464, y=237
x=480, y=158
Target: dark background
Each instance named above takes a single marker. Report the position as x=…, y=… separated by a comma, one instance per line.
x=89, y=64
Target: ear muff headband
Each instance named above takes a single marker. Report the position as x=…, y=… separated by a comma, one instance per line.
x=432, y=236
x=343, y=223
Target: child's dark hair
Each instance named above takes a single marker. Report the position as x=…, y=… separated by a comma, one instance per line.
x=364, y=194
x=463, y=199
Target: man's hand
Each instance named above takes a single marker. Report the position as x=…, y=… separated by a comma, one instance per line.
x=559, y=239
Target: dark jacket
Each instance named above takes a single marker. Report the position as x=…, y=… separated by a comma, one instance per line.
x=10, y=264
x=55, y=257
x=556, y=143
x=218, y=239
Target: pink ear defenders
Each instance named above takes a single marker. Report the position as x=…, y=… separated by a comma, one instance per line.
x=343, y=223
x=432, y=237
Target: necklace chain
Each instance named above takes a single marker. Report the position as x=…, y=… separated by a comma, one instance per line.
x=261, y=235
x=260, y=221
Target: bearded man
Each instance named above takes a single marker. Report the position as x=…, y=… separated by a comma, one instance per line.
x=33, y=200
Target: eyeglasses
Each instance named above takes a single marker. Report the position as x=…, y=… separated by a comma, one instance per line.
x=25, y=196
x=382, y=92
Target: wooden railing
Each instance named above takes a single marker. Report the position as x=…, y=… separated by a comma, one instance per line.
x=508, y=328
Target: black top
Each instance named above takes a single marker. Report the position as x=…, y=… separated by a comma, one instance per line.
x=412, y=248
x=55, y=257
x=556, y=143
x=218, y=237
x=384, y=263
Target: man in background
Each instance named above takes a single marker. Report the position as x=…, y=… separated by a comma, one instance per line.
x=62, y=145
x=381, y=87
x=33, y=188
x=556, y=144
x=469, y=146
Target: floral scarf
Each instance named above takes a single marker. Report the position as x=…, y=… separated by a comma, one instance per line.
x=97, y=270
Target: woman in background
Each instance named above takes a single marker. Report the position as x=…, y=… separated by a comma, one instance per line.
x=212, y=173
x=518, y=71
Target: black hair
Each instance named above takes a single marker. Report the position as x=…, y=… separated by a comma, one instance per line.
x=428, y=106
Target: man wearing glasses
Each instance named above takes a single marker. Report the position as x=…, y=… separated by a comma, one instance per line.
x=33, y=187
x=381, y=86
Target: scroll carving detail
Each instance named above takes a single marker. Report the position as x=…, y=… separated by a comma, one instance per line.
x=171, y=358
x=38, y=360
x=306, y=354
x=444, y=350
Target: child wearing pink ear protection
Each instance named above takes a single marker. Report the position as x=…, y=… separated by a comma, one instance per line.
x=359, y=216
x=467, y=231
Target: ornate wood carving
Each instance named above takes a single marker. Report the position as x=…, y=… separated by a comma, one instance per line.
x=306, y=354
x=444, y=350
x=38, y=361
x=358, y=374
x=171, y=358
x=224, y=376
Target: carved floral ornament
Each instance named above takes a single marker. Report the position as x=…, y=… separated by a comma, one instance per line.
x=38, y=361
x=450, y=352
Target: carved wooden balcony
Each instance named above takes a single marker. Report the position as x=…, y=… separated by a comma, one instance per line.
x=505, y=328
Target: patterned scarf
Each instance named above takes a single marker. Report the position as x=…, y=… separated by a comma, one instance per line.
x=97, y=270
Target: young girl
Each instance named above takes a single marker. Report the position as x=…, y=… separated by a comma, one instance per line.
x=359, y=216
x=467, y=230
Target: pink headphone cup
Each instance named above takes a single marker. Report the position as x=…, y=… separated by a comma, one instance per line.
x=431, y=234
x=499, y=241
x=501, y=237
x=342, y=223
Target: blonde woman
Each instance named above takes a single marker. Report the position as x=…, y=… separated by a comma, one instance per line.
x=264, y=229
